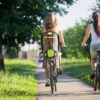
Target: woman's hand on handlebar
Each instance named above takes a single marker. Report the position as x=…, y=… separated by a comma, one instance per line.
x=64, y=46
x=83, y=45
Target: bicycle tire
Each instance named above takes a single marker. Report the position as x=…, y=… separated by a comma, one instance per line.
x=99, y=77
x=55, y=87
x=95, y=84
x=95, y=81
x=51, y=79
x=98, y=72
x=55, y=77
x=99, y=84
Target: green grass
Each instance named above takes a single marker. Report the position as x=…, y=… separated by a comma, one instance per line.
x=19, y=82
x=78, y=68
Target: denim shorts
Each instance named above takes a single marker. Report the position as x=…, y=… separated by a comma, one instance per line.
x=93, y=49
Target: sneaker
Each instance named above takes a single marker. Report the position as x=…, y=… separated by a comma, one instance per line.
x=59, y=71
x=47, y=83
x=92, y=76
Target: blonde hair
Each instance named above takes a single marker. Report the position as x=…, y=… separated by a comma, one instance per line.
x=50, y=18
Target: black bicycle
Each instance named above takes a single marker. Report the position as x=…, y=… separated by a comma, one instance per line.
x=96, y=80
x=50, y=54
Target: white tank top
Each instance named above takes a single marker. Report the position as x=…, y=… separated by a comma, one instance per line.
x=94, y=38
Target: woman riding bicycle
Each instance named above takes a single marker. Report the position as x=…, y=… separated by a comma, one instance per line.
x=50, y=24
x=93, y=28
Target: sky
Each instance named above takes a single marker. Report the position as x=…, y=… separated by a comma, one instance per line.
x=79, y=10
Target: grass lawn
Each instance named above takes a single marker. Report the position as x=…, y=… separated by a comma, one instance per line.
x=19, y=81
x=78, y=68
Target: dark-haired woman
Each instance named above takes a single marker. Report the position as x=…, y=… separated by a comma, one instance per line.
x=93, y=28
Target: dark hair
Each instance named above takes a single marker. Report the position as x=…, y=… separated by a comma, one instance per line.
x=95, y=22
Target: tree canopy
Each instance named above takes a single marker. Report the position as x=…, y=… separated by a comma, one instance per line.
x=97, y=6
x=20, y=20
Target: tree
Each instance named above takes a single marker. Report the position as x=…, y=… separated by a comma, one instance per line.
x=97, y=6
x=73, y=39
x=20, y=20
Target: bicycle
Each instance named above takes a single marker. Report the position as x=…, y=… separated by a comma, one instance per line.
x=50, y=54
x=96, y=80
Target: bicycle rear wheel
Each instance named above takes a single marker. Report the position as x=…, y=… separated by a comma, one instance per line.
x=51, y=79
x=99, y=84
x=95, y=84
x=55, y=77
x=95, y=80
x=99, y=77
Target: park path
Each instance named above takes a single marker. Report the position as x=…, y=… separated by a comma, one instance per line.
x=68, y=88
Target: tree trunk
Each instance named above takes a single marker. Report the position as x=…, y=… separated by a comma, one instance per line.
x=2, y=67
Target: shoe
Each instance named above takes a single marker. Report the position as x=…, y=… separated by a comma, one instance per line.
x=92, y=76
x=47, y=83
x=59, y=71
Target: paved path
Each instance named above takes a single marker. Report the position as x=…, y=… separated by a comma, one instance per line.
x=68, y=88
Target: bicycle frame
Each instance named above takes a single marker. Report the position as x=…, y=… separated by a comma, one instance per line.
x=96, y=80
x=50, y=54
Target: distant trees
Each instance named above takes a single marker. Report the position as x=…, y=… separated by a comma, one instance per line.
x=73, y=39
x=74, y=36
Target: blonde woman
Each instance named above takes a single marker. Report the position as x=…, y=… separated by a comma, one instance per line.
x=50, y=24
x=93, y=28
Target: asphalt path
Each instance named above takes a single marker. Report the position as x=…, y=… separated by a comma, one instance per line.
x=68, y=88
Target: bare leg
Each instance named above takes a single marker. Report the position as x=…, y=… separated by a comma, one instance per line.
x=46, y=72
x=58, y=65
x=45, y=64
x=93, y=63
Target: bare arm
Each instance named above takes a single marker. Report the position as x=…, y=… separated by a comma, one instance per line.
x=61, y=39
x=87, y=34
